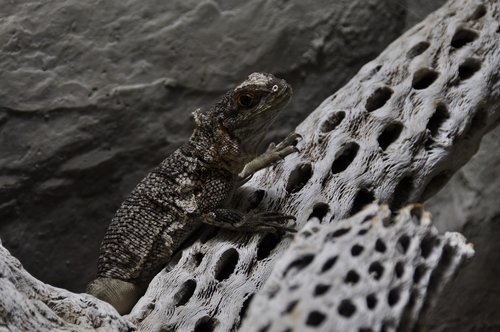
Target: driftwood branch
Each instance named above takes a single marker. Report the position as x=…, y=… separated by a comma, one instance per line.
x=396, y=133
x=373, y=271
x=27, y=304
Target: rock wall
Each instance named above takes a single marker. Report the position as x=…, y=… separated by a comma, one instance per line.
x=469, y=203
x=94, y=94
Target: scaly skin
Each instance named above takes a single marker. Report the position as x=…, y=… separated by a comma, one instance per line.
x=190, y=187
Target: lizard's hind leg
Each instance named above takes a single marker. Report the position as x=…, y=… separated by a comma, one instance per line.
x=122, y=295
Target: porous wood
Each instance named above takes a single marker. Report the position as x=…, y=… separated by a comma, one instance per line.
x=394, y=134
x=371, y=272
x=27, y=304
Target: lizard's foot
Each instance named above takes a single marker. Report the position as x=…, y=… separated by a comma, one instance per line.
x=120, y=294
x=273, y=154
x=266, y=221
x=286, y=145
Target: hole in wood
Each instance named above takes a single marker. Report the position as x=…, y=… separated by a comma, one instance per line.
x=321, y=289
x=427, y=245
x=357, y=249
x=419, y=273
x=403, y=244
x=390, y=135
x=418, y=49
x=255, y=199
x=402, y=193
x=198, y=258
x=205, y=324
x=376, y=270
x=319, y=211
x=265, y=328
x=337, y=233
x=371, y=301
x=226, y=264
x=299, y=263
x=266, y=245
x=346, y=308
x=437, y=119
x=315, y=318
x=378, y=98
x=363, y=197
x=380, y=246
x=332, y=122
x=393, y=297
x=345, y=157
x=185, y=292
x=363, y=231
x=462, y=37
x=468, y=68
x=413, y=298
x=423, y=78
x=289, y=308
x=416, y=212
x=352, y=277
x=330, y=262
x=399, y=269
x=479, y=12
x=298, y=178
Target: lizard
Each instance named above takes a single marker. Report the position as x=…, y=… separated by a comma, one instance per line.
x=191, y=187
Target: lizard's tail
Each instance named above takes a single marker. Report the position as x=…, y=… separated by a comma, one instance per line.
x=120, y=294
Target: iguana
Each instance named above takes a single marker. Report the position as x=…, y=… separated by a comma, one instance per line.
x=190, y=188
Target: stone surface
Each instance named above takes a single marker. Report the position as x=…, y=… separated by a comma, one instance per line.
x=469, y=204
x=395, y=133
x=94, y=94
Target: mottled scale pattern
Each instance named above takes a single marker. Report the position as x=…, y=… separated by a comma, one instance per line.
x=158, y=215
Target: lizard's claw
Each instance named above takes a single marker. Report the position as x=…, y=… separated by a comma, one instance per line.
x=288, y=142
x=267, y=221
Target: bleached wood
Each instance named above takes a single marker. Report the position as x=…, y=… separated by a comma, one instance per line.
x=437, y=85
x=27, y=304
x=373, y=271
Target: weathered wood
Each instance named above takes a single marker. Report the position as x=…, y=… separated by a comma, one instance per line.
x=27, y=304
x=374, y=271
x=394, y=134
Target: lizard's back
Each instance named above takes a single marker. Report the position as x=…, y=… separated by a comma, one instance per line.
x=156, y=218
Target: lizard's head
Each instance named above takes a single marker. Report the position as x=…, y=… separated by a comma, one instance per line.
x=256, y=102
x=242, y=117
x=252, y=107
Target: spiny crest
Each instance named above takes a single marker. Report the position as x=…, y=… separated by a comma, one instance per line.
x=258, y=79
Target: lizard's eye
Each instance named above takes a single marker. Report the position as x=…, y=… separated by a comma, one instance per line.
x=246, y=100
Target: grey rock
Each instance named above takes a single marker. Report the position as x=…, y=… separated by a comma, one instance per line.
x=469, y=203
x=94, y=94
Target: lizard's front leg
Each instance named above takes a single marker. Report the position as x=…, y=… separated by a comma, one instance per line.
x=273, y=154
x=253, y=221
